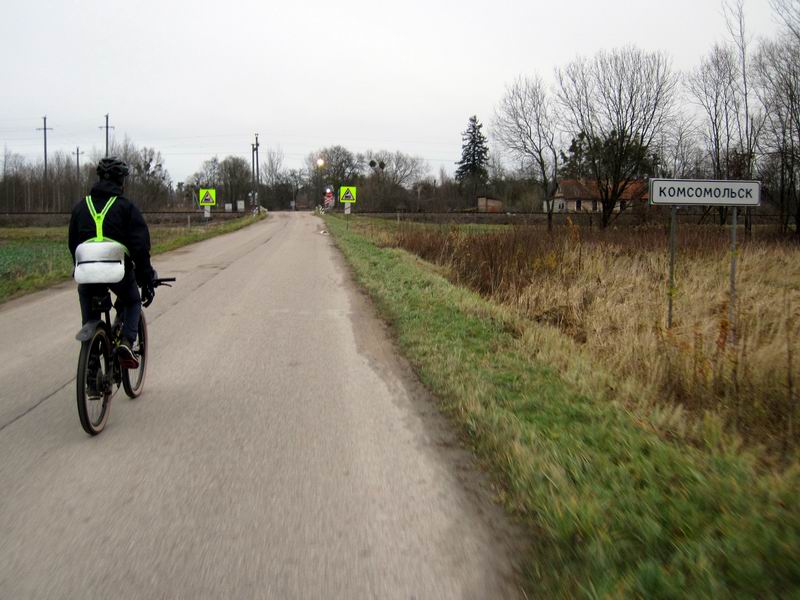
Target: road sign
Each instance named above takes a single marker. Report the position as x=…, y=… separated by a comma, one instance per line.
x=347, y=194
x=347, y=208
x=704, y=192
x=208, y=197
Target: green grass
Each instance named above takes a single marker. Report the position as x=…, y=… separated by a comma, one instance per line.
x=165, y=239
x=615, y=510
x=31, y=264
x=34, y=258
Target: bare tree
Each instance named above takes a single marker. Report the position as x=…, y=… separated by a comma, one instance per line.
x=273, y=167
x=389, y=178
x=721, y=85
x=713, y=86
x=679, y=154
x=236, y=178
x=339, y=166
x=399, y=169
x=232, y=177
x=748, y=124
x=22, y=187
x=332, y=166
x=788, y=12
x=207, y=176
x=296, y=178
x=525, y=125
x=615, y=105
x=777, y=67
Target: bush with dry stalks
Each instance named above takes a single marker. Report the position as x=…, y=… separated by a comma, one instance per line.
x=607, y=291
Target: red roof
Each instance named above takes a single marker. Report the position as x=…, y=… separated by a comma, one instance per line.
x=585, y=189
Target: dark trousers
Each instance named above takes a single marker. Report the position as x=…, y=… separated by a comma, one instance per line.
x=129, y=302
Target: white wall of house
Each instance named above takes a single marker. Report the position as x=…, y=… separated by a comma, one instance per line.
x=582, y=206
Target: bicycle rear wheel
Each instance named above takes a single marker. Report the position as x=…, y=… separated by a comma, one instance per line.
x=133, y=379
x=93, y=382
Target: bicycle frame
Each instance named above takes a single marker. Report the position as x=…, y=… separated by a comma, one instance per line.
x=104, y=305
x=97, y=384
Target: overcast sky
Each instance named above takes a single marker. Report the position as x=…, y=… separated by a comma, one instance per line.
x=198, y=78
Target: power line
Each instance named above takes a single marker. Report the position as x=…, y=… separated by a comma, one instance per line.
x=346, y=138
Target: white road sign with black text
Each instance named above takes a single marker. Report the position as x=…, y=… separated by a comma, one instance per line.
x=713, y=192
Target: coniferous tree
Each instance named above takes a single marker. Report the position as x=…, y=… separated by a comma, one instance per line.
x=472, y=168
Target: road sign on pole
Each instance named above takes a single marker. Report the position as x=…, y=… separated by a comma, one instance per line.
x=347, y=194
x=208, y=197
x=704, y=192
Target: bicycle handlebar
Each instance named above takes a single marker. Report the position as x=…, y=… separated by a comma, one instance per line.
x=163, y=281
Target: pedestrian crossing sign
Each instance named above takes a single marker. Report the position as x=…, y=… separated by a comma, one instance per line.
x=347, y=194
x=208, y=197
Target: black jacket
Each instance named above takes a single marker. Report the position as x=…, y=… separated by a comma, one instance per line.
x=124, y=223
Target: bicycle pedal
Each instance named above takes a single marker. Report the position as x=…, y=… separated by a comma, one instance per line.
x=128, y=363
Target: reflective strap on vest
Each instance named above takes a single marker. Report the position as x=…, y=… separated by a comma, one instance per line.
x=98, y=220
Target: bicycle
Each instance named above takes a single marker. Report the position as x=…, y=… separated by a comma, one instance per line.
x=99, y=372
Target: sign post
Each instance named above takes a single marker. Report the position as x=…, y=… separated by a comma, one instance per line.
x=704, y=192
x=672, y=227
x=347, y=196
x=732, y=302
x=208, y=197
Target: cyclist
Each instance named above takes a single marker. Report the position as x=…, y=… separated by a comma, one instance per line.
x=119, y=221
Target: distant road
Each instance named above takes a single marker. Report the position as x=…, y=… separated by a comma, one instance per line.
x=280, y=449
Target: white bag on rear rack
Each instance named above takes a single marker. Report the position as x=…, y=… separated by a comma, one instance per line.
x=99, y=262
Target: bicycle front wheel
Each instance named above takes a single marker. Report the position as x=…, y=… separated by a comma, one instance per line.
x=94, y=382
x=133, y=379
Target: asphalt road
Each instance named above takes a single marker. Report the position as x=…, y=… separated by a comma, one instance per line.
x=280, y=448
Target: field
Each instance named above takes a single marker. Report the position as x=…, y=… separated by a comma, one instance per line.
x=607, y=292
x=648, y=462
x=33, y=258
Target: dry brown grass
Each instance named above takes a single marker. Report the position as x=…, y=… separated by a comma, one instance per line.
x=607, y=291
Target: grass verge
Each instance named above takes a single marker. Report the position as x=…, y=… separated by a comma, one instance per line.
x=606, y=291
x=34, y=258
x=618, y=510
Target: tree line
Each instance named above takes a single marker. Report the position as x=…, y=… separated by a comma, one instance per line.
x=24, y=188
x=623, y=115
x=612, y=119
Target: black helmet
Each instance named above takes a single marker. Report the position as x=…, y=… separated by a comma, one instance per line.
x=112, y=168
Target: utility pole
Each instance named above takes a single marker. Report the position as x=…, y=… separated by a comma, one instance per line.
x=258, y=170
x=45, y=129
x=106, y=127
x=77, y=154
x=253, y=174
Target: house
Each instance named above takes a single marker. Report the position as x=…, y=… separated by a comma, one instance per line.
x=490, y=205
x=581, y=195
